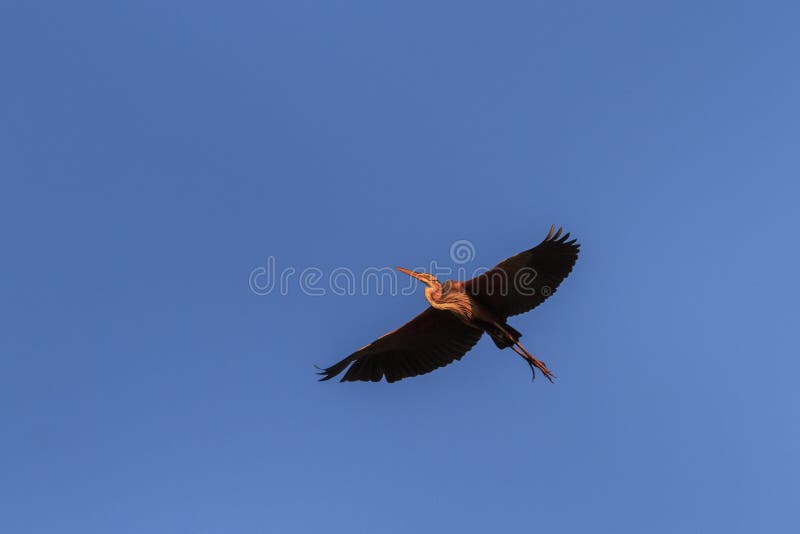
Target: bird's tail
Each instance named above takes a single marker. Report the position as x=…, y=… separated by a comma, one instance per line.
x=500, y=337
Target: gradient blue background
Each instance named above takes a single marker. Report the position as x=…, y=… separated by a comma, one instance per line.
x=154, y=153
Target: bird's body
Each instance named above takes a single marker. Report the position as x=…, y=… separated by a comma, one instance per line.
x=460, y=312
x=451, y=296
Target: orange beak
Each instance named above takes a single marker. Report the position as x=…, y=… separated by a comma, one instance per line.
x=409, y=273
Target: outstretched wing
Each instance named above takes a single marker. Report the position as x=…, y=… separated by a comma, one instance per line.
x=522, y=282
x=432, y=339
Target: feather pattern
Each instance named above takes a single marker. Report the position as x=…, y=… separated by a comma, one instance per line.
x=433, y=339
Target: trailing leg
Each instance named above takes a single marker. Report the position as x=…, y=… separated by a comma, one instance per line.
x=516, y=346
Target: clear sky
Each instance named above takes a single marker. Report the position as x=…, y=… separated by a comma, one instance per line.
x=154, y=154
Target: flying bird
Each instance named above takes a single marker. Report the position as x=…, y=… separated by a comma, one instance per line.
x=460, y=313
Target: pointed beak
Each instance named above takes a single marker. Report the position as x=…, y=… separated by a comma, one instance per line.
x=409, y=273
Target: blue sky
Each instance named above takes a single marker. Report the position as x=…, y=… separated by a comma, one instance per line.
x=154, y=154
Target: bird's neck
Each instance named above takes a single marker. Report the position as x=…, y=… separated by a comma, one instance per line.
x=453, y=301
x=433, y=294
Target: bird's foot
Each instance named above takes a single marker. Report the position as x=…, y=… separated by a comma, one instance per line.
x=533, y=362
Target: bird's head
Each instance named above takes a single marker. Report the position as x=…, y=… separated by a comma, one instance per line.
x=427, y=279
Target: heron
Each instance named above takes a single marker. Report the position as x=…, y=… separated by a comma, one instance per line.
x=461, y=312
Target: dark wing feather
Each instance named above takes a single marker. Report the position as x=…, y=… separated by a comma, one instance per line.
x=432, y=339
x=522, y=282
